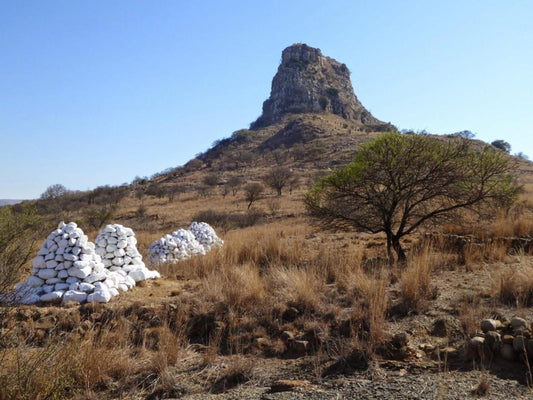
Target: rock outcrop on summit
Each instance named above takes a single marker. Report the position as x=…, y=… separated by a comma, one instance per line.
x=307, y=81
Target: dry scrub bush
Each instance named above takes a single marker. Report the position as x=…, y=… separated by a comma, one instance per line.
x=474, y=255
x=515, y=285
x=340, y=267
x=377, y=310
x=102, y=359
x=234, y=371
x=514, y=222
x=262, y=273
x=259, y=246
x=297, y=287
x=515, y=226
x=471, y=312
x=38, y=373
x=239, y=287
x=19, y=229
x=99, y=365
x=415, y=283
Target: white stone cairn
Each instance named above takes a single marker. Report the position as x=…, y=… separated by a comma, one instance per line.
x=182, y=244
x=206, y=235
x=70, y=268
x=117, y=246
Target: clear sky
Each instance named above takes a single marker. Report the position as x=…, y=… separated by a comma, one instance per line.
x=98, y=92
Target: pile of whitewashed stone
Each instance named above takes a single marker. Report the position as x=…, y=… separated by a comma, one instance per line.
x=183, y=244
x=116, y=245
x=68, y=268
x=205, y=235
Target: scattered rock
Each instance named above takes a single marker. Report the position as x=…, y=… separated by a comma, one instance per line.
x=286, y=385
x=299, y=347
x=488, y=325
x=519, y=344
x=475, y=348
x=287, y=336
x=517, y=323
x=508, y=339
x=507, y=352
x=493, y=342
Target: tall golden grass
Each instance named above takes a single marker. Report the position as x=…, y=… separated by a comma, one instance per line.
x=514, y=284
x=240, y=299
x=415, y=280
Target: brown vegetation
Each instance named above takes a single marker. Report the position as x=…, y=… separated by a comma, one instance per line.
x=280, y=289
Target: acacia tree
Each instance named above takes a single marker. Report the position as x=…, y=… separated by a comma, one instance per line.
x=502, y=145
x=253, y=192
x=397, y=183
x=54, y=191
x=234, y=182
x=277, y=178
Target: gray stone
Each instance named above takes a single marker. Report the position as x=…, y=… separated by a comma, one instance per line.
x=99, y=296
x=299, y=347
x=75, y=295
x=507, y=352
x=518, y=322
x=34, y=281
x=47, y=273
x=519, y=344
x=493, y=341
x=54, y=296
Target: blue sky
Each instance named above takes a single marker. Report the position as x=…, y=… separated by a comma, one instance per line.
x=98, y=92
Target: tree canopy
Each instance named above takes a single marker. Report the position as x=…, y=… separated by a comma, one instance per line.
x=54, y=191
x=278, y=177
x=397, y=183
x=502, y=145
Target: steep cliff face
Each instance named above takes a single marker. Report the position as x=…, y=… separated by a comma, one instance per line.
x=307, y=81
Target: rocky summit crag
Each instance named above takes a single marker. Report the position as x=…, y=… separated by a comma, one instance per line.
x=308, y=82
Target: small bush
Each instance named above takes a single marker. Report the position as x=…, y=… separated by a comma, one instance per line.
x=227, y=220
x=18, y=232
x=253, y=192
x=415, y=280
x=98, y=217
x=515, y=286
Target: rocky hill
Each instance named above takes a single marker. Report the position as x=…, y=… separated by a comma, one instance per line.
x=308, y=82
x=312, y=119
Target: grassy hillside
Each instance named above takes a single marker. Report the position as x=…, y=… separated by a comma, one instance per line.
x=283, y=299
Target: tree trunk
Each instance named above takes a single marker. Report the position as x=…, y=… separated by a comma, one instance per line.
x=389, y=249
x=402, y=258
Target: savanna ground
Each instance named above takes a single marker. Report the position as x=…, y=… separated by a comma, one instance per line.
x=283, y=310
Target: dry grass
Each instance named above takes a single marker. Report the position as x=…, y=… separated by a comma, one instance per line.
x=262, y=273
x=234, y=371
x=241, y=299
x=518, y=225
x=103, y=359
x=514, y=284
x=297, y=287
x=262, y=247
x=483, y=387
x=239, y=287
x=377, y=309
x=29, y=373
x=415, y=280
x=471, y=312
